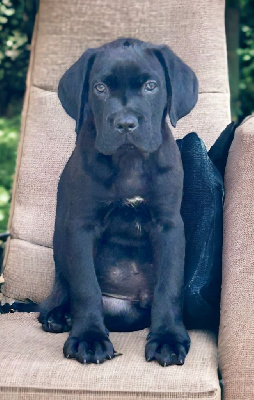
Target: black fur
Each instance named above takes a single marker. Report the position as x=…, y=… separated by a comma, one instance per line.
x=119, y=237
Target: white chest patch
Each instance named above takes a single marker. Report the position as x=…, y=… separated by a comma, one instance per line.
x=134, y=201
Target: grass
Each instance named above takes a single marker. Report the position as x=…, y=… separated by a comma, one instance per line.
x=9, y=136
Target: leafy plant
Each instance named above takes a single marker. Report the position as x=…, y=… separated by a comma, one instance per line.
x=16, y=26
x=246, y=58
x=9, y=135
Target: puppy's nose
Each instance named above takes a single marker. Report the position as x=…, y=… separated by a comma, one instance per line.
x=126, y=124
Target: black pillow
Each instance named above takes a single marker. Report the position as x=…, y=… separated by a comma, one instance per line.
x=218, y=153
x=202, y=213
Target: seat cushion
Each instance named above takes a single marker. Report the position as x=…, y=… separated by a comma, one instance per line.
x=33, y=367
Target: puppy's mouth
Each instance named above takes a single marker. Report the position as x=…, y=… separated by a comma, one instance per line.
x=127, y=146
x=131, y=149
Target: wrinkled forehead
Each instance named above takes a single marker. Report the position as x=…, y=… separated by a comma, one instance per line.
x=126, y=64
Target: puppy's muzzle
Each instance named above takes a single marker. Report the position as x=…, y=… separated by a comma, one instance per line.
x=126, y=123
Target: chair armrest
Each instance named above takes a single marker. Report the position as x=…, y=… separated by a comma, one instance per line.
x=236, y=336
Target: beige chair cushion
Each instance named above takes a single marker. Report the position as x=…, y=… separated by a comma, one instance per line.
x=236, y=340
x=33, y=367
x=195, y=30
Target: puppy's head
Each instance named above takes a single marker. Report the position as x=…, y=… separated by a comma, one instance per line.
x=128, y=86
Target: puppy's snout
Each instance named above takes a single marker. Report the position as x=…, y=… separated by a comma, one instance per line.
x=126, y=124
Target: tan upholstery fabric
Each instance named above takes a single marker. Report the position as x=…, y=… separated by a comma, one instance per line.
x=33, y=367
x=236, y=344
x=208, y=119
x=48, y=143
x=30, y=273
x=195, y=30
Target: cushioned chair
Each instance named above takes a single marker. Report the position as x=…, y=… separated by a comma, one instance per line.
x=32, y=364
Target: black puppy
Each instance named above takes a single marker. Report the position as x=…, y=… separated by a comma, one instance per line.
x=119, y=237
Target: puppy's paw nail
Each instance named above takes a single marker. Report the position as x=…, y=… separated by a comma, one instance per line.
x=116, y=354
x=68, y=356
x=148, y=359
x=165, y=364
x=84, y=361
x=98, y=361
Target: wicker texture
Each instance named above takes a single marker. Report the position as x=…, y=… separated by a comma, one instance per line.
x=237, y=316
x=39, y=371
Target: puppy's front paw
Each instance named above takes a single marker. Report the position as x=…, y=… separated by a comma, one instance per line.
x=57, y=320
x=89, y=349
x=167, y=348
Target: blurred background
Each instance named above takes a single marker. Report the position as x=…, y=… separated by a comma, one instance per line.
x=16, y=27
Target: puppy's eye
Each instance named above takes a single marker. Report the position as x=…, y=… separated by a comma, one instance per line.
x=100, y=87
x=150, y=85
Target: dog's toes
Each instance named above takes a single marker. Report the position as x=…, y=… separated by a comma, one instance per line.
x=87, y=352
x=182, y=351
x=82, y=354
x=51, y=326
x=96, y=352
x=166, y=356
x=71, y=347
x=166, y=352
x=55, y=321
x=150, y=351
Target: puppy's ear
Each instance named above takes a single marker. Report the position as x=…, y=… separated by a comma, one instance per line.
x=73, y=87
x=181, y=81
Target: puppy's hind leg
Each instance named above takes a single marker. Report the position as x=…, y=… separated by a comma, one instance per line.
x=55, y=310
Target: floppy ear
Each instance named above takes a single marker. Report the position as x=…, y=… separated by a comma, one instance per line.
x=73, y=87
x=181, y=81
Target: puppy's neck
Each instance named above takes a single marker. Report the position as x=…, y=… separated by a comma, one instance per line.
x=129, y=159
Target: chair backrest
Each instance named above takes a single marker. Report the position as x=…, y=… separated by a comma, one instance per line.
x=64, y=29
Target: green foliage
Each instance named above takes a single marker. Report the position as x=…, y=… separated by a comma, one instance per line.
x=9, y=135
x=16, y=26
x=246, y=58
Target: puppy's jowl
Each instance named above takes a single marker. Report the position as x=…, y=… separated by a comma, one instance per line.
x=119, y=237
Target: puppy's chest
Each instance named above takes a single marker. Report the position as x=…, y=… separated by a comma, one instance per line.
x=131, y=183
x=130, y=187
